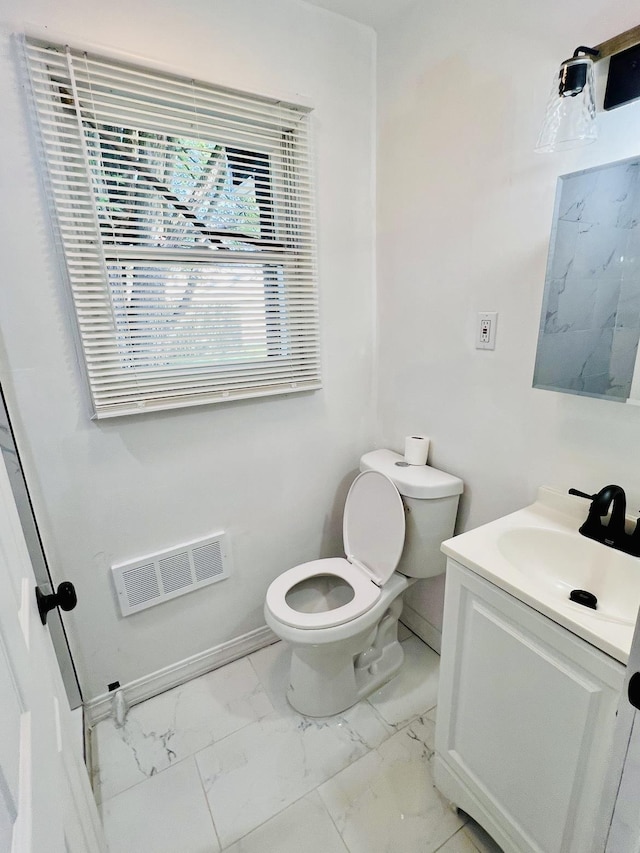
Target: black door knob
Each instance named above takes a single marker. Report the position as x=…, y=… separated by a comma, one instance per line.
x=633, y=690
x=65, y=597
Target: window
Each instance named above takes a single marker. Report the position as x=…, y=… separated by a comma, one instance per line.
x=185, y=213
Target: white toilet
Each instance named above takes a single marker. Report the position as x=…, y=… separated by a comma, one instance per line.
x=340, y=615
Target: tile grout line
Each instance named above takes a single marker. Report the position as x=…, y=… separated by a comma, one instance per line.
x=206, y=799
x=457, y=832
x=101, y=802
x=266, y=820
x=257, y=674
x=331, y=818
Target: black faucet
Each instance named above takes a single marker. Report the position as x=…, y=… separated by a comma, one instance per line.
x=612, y=534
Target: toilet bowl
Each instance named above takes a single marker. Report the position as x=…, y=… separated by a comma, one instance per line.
x=340, y=614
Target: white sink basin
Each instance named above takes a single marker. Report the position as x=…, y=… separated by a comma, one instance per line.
x=538, y=556
x=562, y=562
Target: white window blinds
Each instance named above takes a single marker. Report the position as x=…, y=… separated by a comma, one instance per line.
x=186, y=218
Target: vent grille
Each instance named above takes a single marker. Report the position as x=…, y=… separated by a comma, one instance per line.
x=208, y=561
x=176, y=572
x=141, y=584
x=159, y=577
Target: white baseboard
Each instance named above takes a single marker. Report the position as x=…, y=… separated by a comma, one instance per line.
x=171, y=676
x=423, y=629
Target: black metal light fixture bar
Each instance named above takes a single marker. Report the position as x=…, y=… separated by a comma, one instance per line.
x=623, y=80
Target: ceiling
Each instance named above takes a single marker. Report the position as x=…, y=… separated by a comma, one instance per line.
x=375, y=13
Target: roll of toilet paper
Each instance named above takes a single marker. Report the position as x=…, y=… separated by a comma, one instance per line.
x=416, y=449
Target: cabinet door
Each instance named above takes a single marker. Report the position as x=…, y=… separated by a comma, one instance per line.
x=526, y=716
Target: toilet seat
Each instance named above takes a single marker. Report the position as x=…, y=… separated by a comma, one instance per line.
x=373, y=532
x=365, y=593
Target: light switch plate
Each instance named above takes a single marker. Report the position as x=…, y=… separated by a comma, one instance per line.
x=486, y=329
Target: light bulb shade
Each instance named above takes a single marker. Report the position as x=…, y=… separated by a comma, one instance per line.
x=570, y=119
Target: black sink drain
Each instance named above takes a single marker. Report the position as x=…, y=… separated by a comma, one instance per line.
x=586, y=599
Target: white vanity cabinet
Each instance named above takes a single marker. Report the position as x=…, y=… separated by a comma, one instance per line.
x=526, y=715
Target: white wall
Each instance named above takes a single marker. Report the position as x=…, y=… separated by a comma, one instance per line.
x=464, y=213
x=271, y=472
x=464, y=216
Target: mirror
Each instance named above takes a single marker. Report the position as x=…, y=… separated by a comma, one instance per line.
x=590, y=322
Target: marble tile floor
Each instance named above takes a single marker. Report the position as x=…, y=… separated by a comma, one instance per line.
x=223, y=763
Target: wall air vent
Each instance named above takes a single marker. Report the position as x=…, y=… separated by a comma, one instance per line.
x=158, y=577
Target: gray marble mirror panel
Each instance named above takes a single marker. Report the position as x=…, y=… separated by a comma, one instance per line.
x=590, y=322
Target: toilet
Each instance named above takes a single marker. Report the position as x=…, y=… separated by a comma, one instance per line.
x=340, y=614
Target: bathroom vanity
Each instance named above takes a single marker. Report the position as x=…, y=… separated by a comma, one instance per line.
x=530, y=681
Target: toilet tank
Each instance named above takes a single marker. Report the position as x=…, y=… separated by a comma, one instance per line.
x=431, y=500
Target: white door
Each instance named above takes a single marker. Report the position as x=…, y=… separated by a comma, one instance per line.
x=624, y=777
x=46, y=804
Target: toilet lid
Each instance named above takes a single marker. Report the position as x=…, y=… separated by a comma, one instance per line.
x=374, y=526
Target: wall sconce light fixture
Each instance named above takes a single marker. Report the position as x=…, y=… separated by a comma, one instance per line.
x=570, y=119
